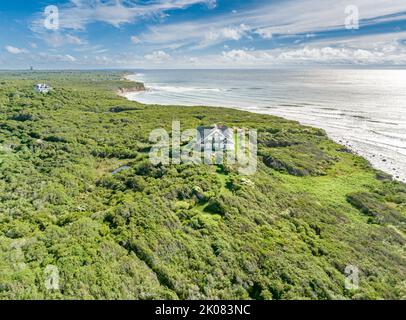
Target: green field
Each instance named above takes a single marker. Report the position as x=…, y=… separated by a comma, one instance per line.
x=182, y=231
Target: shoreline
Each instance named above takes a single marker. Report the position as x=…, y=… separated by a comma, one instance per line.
x=386, y=166
x=86, y=189
x=123, y=92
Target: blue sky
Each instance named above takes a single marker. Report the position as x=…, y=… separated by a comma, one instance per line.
x=202, y=33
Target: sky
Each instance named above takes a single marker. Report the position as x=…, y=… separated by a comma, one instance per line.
x=101, y=34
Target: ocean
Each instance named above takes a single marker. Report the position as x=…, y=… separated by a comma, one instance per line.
x=362, y=109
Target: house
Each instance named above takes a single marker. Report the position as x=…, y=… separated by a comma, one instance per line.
x=216, y=138
x=42, y=88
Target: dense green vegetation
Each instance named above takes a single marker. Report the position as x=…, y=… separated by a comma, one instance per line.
x=182, y=232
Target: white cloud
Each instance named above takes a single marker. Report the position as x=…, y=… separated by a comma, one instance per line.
x=337, y=53
x=264, y=33
x=14, y=50
x=211, y=4
x=235, y=33
x=77, y=14
x=91, y=49
x=70, y=39
x=308, y=16
x=58, y=39
x=282, y=18
x=158, y=57
x=135, y=40
x=230, y=33
x=57, y=57
x=239, y=56
x=300, y=20
x=346, y=52
x=68, y=57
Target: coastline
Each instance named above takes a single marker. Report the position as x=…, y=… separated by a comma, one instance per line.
x=123, y=92
x=377, y=161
